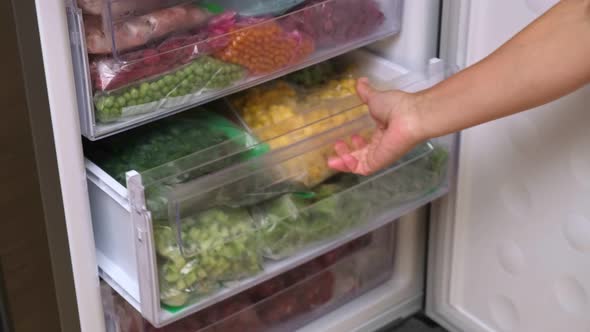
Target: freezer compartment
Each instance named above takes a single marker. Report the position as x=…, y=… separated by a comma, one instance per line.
x=176, y=241
x=287, y=301
x=212, y=251
x=126, y=78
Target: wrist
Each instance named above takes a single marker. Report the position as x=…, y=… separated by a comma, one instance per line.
x=418, y=116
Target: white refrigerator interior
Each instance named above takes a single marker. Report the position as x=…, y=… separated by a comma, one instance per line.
x=508, y=248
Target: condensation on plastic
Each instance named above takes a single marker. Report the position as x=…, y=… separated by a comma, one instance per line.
x=286, y=302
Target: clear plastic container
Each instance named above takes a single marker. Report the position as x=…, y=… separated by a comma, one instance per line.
x=275, y=213
x=165, y=148
x=142, y=64
x=285, y=302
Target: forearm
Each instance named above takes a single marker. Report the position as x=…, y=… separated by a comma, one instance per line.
x=547, y=60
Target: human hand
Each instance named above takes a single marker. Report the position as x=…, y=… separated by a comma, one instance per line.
x=398, y=130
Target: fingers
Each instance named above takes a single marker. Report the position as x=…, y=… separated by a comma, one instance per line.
x=364, y=90
x=337, y=164
x=341, y=148
x=347, y=160
x=379, y=103
x=344, y=161
x=358, y=142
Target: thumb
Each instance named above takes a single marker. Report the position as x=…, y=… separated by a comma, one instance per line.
x=365, y=90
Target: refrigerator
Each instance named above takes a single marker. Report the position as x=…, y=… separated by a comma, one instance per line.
x=499, y=242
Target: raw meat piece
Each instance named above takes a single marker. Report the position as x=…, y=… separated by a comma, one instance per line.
x=284, y=306
x=316, y=291
x=140, y=30
x=268, y=289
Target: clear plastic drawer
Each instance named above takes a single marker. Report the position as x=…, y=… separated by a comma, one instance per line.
x=137, y=61
x=287, y=301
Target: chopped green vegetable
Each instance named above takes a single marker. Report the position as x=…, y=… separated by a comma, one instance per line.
x=218, y=245
x=158, y=151
x=290, y=222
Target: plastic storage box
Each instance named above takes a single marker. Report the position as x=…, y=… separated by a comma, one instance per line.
x=174, y=242
x=136, y=62
x=286, y=302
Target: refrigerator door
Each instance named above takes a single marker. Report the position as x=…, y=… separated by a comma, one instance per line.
x=509, y=249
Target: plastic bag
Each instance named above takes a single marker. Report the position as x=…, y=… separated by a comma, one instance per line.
x=163, y=143
x=332, y=23
x=218, y=246
x=263, y=46
x=140, y=30
x=282, y=115
x=110, y=74
x=292, y=222
x=177, y=87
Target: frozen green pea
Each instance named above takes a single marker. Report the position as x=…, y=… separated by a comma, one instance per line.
x=109, y=101
x=144, y=87
x=179, y=75
x=121, y=101
x=100, y=104
x=168, y=79
x=133, y=94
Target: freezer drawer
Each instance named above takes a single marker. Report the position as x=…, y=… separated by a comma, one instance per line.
x=137, y=63
x=173, y=244
x=286, y=302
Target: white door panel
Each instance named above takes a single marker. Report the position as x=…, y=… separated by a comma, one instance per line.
x=510, y=249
